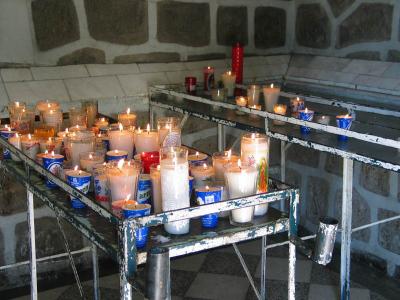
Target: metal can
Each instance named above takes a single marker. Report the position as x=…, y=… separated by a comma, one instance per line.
x=6, y=133
x=54, y=164
x=190, y=84
x=144, y=189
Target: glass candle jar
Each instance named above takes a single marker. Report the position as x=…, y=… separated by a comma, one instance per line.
x=15, y=106
x=127, y=119
x=22, y=120
x=53, y=118
x=253, y=94
x=45, y=105
x=174, y=170
x=169, y=131
x=220, y=159
x=90, y=107
x=77, y=116
x=77, y=143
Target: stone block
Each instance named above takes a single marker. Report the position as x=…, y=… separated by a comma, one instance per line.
x=334, y=164
x=183, y=23
x=313, y=28
x=317, y=198
x=393, y=55
x=61, y=72
x=94, y=87
x=20, y=74
x=232, y=25
x=269, y=27
x=32, y=91
x=365, y=55
x=55, y=23
x=375, y=179
x=361, y=214
x=83, y=56
x=375, y=68
x=3, y=95
x=393, y=71
x=370, y=22
x=377, y=81
x=109, y=69
x=49, y=239
x=208, y=56
x=153, y=57
x=195, y=125
x=303, y=156
x=339, y=6
x=389, y=233
x=119, y=21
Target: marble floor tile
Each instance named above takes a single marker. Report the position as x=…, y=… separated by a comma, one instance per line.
x=331, y=292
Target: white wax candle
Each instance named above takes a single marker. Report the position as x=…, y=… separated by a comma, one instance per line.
x=146, y=141
x=50, y=144
x=122, y=140
x=16, y=142
x=77, y=143
x=242, y=182
x=255, y=152
x=122, y=180
x=253, y=94
x=202, y=175
x=175, y=191
x=53, y=118
x=169, y=137
x=156, y=188
x=30, y=146
x=271, y=96
x=229, y=79
x=89, y=160
x=219, y=160
x=101, y=123
x=45, y=105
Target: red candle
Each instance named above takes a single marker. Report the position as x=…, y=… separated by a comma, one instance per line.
x=190, y=84
x=237, y=62
x=148, y=159
x=208, y=73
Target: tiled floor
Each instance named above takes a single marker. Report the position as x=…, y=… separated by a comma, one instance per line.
x=218, y=274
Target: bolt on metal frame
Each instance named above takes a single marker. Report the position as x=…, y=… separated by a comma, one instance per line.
x=348, y=156
x=99, y=225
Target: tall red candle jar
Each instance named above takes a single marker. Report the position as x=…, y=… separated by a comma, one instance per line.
x=190, y=84
x=148, y=159
x=237, y=62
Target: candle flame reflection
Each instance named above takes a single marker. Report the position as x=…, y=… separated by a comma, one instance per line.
x=120, y=164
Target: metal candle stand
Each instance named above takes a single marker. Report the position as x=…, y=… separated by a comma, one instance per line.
x=370, y=149
x=117, y=239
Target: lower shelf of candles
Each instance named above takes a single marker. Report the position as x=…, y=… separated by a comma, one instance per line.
x=104, y=234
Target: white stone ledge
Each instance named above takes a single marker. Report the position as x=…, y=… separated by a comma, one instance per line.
x=112, y=69
x=20, y=74
x=161, y=67
x=60, y=72
x=3, y=95
x=93, y=87
x=32, y=91
x=136, y=84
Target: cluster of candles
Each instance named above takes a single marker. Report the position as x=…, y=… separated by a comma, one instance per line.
x=270, y=93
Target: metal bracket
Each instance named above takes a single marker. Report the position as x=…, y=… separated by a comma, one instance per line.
x=184, y=119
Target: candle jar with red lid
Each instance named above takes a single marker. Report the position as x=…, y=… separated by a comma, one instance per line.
x=148, y=159
x=208, y=78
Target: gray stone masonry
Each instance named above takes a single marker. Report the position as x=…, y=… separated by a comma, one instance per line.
x=375, y=179
x=153, y=57
x=55, y=23
x=317, y=198
x=303, y=156
x=389, y=233
x=269, y=27
x=339, y=6
x=232, y=25
x=183, y=23
x=118, y=21
x=83, y=56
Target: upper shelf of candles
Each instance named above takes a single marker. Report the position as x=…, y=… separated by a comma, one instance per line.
x=224, y=112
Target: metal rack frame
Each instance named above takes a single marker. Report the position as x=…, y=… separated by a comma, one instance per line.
x=348, y=156
x=116, y=237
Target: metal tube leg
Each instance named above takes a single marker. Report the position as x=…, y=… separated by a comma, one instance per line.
x=346, y=229
x=96, y=283
x=293, y=221
x=32, y=245
x=263, y=267
x=151, y=116
x=125, y=287
x=221, y=137
x=283, y=170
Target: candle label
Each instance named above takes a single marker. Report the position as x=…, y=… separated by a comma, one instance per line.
x=207, y=197
x=144, y=189
x=172, y=139
x=6, y=135
x=262, y=178
x=21, y=126
x=80, y=183
x=135, y=212
x=101, y=188
x=55, y=166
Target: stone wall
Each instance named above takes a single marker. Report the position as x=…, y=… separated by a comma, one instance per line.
x=361, y=29
x=67, y=32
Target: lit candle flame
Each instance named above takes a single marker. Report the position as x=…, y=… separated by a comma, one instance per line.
x=148, y=128
x=253, y=136
x=128, y=197
x=116, y=151
x=120, y=126
x=229, y=154
x=207, y=187
x=90, y=156
x=48, y=105
x=50, y=139
x=29, y=136
x=76, y=168
x=17, y=104
x=239, y=163
x=272, y=85
x=128, y=111
x=297, y=98
x=158, y=167
x=306, y=110
x=17, y=135
x=197, y=154
x=120, y=164
x=229, y=73
x=205, y=167
x=66, y=130
x=139, y=130
x=52, y=153
x=46, y=152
